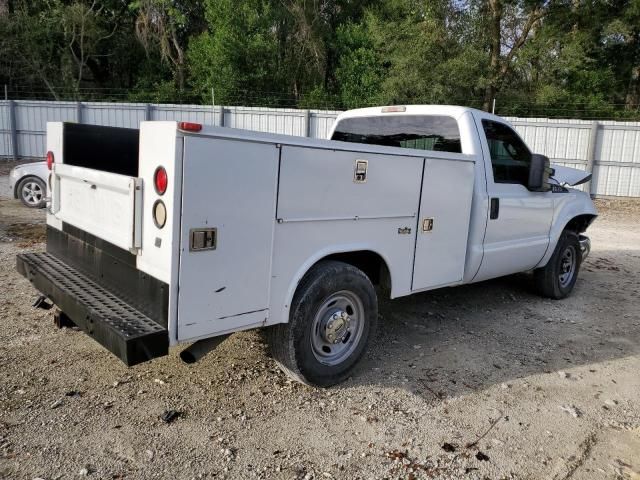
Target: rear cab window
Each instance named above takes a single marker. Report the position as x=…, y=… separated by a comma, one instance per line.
x=422, y=132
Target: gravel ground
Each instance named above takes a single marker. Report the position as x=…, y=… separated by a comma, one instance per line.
x=482, y=381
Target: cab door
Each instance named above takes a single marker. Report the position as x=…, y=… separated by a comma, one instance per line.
x=519, y=221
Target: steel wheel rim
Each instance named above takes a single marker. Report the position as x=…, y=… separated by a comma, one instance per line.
x=337, y=328
x=32, y=193
x=568, y=262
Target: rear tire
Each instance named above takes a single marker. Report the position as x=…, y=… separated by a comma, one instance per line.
x=32, y=192
x=332, y=317
x=557, y=279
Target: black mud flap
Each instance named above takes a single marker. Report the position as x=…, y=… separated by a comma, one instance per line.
x=120, y=328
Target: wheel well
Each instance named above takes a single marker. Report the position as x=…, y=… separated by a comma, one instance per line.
x=580, y=223
x=371, y=263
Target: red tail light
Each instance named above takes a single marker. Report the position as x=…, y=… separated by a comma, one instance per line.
x=160, y=180
x=189, y=126
x=50, y=159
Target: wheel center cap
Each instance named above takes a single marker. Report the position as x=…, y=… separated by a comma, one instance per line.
x=336, y=327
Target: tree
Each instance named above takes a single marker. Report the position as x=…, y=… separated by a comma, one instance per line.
x=238, y=56
x=359, y=73
x=509, y=24
x=84, y=27
x=166, y=25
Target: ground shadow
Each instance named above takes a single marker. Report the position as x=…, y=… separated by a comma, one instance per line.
x=459, y=340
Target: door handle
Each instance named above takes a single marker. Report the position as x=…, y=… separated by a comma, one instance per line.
x=494, y=209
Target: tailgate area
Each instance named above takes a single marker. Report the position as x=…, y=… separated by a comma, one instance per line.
x=117, y=325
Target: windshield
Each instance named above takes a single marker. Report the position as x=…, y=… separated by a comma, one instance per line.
x=423, y=132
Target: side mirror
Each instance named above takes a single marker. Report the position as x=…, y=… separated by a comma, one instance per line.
x=539, y=172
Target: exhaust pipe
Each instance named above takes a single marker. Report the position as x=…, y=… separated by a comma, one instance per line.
x=199, y=349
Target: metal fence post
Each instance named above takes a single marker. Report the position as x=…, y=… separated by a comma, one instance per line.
x=306, y=123
x=591, y=156
x=14, y=130
x=221, y=117
x=78, y=112
x=147, y=112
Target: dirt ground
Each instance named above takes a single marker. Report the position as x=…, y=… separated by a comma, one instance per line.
x=483, y=381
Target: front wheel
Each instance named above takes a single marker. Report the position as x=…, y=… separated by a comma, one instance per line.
x=32, y=192
x=333, y=314
x=557, y=279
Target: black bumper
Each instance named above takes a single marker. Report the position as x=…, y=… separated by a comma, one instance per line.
x=118, y=326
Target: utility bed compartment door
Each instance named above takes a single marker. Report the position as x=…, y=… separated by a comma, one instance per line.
x=107, y=205
x=228, y=216
x=443, y=225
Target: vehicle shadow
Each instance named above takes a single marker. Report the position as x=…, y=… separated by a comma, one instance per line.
x=454, y=341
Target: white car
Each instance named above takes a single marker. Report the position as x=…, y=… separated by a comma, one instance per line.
x=28, y=182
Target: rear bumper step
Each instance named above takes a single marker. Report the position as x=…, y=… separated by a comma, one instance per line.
x=120, y=328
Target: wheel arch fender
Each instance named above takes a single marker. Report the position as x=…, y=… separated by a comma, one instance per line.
x=576, y=213
x=372, y=262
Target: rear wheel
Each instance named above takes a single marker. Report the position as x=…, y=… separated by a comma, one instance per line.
x=333, y=314
x=557, y=279
x=32, y=192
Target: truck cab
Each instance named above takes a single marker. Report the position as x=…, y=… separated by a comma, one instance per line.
x=180, y=233
x=513, y=227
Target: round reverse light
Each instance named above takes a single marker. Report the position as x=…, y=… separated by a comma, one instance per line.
x=160, y=180
x=159, y=213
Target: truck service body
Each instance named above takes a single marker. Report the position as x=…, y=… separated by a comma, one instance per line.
x=179, y=232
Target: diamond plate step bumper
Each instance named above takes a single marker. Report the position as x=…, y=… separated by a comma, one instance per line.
x=120, y=328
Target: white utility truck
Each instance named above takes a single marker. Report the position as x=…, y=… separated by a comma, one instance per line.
x=178, y=232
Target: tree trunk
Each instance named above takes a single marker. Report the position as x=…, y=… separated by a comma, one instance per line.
x=495, y=12
x=632, y=101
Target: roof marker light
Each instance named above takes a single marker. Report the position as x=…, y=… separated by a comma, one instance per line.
x=394, y=108
x=190, y=126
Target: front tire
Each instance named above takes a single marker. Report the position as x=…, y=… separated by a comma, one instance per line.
x=557, y=279
x=332, y=317
x=32, y=192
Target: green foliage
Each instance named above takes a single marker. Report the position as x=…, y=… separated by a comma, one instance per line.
x=564, y=58
x=359, y=73
x=237, y=56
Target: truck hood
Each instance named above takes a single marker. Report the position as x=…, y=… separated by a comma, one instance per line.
x=570, y=176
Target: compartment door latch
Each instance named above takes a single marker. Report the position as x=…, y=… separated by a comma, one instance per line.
x=203, y=239
x=360, y=171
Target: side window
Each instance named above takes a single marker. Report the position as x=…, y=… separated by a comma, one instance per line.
x=510, y=157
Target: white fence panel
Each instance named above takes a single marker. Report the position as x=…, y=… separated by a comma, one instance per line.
x=6, y=149
x=619, y=144
x=562, y=144
x=320, y=123
x=185, y=113
x=127, y=115
x=613, y=155
x=617, y=181
x=285, y=121
x=31, y=123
